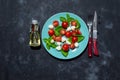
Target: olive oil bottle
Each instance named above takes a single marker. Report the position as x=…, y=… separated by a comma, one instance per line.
x=34, y=35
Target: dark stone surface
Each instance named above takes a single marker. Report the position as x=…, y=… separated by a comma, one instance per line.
x=19, y=62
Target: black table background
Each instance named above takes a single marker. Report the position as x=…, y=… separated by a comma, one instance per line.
x=19, y=62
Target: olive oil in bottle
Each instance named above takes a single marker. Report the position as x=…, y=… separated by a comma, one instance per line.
x=34, y=35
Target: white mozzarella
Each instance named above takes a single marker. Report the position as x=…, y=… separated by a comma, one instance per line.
x=58, y=43
x=52, y=41
x=68, y=29
x=76, y=44
x=51, y=26
x=63, y=39
x=73, y=27
x=58, y=47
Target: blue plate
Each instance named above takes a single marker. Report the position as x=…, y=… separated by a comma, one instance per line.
x=72, y=53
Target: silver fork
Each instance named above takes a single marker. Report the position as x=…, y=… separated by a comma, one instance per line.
x=90, y=23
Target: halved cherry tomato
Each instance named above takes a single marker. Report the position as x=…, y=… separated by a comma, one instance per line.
x=53, y=37
x=58, y=38
x=78, y=31
x=72, y=46
x=74, y=33
x=74, y=39
x=65, y=24
x=55, y=23
x=65, y=47
x=62, y=31
x=68, y=34
x=51, y=32
x=74, y=23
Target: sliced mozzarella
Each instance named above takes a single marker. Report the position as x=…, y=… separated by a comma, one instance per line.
x=68, y=29
x=51, y=26
x=76, y=44
x=58, y=47
x=63, y=39
x=52, y=41
x=58, y=43
x=68, y=42
x=73, y=27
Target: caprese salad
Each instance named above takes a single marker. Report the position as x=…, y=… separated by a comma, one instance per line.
x=64, y=34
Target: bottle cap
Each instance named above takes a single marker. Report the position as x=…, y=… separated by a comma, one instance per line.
x=34, y=22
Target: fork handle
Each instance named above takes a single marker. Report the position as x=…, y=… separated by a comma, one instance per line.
x=90, y=47
x=95, y=49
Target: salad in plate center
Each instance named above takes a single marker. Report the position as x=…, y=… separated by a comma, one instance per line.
x=64, y=34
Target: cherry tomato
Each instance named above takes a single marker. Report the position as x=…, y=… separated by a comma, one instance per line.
x=62, y=31
x=55, y=23
x=72, y=46
x=51, y=32
x=74, y=39
x=68, y=34
x=78, y=31
x=74, y=23
x=65, y=24
x=53, y=37
x=73, y=33
x=58, y=38
x=65, y=47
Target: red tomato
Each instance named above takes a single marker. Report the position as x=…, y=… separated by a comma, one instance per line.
x=55, y=23
x=74, y=39
x=58, y=38
x=72, y=46
x=74, y=23
x=65, y=24
x=51, y=32
x=62, y=31
x=53, y=37
x=78, y=31
x=73, y=33
x=68, y=34
x=65, y=47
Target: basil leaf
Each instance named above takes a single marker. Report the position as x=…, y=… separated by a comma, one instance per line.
x=70, y=19
x=65, y=54
x=45, y=40
x=48, y=46
x=68, y=16
x=57, y=33
x=57, y=30
x=80, y=38
x=78, y=24
x=53, y=45
x=62, y=19
x=70, y=39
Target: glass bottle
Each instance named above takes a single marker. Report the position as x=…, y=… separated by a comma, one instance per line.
x=34, y=34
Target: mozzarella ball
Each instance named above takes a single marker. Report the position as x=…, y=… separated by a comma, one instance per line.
x=63, y=39
x=52, y=41
x=68, y=29
x=58, y=47
x=58, y=43
x=76, y=44
x=73, y=27
x=51, y=26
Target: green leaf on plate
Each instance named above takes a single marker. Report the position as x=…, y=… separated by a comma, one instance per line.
x=80, y=38
x=62, y=19
x=53, y=45
x=78, y=24
x=68, y=16
x=48, y=46
x=57, y=30
x=65, y=54
x=70, y=39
